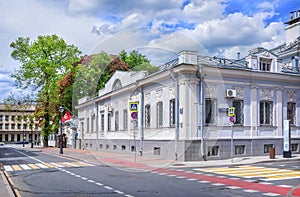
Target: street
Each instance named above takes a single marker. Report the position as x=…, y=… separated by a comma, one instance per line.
x=35, y=173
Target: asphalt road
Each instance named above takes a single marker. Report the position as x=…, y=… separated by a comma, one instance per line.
x=35, y=173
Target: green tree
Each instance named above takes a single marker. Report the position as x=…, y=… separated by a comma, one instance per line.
x=43, y=63
x=89, y=73
x=137, y=61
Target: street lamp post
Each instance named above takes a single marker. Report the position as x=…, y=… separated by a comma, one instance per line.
x=61, y=110
x=31, y=134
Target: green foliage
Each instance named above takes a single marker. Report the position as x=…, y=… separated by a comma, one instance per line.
x=137, y=61
x=88, y=75
x=43, y=63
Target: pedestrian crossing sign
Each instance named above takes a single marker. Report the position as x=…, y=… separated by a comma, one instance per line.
x=133, y=106
x=231, y=111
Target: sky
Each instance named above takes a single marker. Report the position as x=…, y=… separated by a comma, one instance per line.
x=158, y=29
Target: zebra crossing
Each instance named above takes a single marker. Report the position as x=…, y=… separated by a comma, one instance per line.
x=44, y=165
x=253, y=172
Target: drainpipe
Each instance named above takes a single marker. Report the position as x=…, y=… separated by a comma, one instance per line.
x=201, y=110
x=97, y=126
x=176, y=112
x=140, y=119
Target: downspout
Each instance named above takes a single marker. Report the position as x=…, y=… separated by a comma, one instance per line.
x=176, y=113
x=141, y=119
x=201, y=110
x=97, y=126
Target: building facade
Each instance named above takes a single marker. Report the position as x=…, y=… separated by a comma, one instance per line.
x=183, y=108
x=17, y=124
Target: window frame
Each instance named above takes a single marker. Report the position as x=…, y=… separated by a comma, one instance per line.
x=160, y=114
x=172, y=113
x=238, y=111
x=213, y=109
x=147, y=116
x=291, y=112
x=264, y=118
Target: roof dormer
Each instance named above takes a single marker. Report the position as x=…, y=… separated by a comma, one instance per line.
x=263, y=60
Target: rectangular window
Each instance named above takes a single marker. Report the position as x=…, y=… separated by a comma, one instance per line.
x=1, y=117
x=266, y=112
x=213, y=151
x=291, y=112
x=12, y=118
x=265, y=64
x=210, y=111
x=160, y=112
x=88, y=125
x=147, y=116
x=125, y=119
x=294, y=147
x=267, y=147
x=92, y=124
x=156, y=150
x=117, y=121
x=12, y=137
x=172, y=112
x=12, y=126
x=6, y=117
x=238, y=111
x=108, y=121
x=1, y=126
x=24, y=126
x=102, y=122
x=239, y=150
x=18, y=137
x=19, y=126
x=6, y=126
x=6, y=137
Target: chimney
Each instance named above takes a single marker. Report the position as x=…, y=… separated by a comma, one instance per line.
x=188, y=57
x=238, y=55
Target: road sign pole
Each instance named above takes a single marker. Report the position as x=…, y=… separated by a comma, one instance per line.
x=134, y=138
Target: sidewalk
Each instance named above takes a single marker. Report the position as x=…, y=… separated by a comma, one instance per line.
x=129, y=160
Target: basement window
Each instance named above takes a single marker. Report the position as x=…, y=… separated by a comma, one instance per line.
x=213, y=151
x=156, y=150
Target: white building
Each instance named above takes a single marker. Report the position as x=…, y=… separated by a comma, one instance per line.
x=183, y=108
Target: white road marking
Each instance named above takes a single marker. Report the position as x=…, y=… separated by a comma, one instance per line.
x=8, y=168
x=41, y=165
x=270, y=194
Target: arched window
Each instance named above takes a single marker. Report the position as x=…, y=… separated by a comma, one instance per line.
x=117, y=84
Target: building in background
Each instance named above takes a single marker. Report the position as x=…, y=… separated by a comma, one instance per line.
x=183, y=109
x=17, y=124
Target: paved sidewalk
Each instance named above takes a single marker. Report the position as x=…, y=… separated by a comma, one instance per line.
x=129, y=160
x=5, y=189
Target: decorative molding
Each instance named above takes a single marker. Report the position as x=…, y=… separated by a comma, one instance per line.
x=172, y=92
x=134, y=97
x=291, y=95
x=211, y=91
x=239, y=92
x=266, y=94
x=266, y=54
x=147, y=98
x=159, y=95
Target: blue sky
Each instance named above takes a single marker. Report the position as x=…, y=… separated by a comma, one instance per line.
x=156, y=28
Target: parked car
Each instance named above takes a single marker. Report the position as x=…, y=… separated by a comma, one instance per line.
x=2, y=143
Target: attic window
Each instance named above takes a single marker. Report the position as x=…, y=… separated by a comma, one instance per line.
x=265, y=64
x=117, y=85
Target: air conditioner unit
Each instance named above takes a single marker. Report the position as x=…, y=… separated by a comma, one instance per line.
x=230, y=93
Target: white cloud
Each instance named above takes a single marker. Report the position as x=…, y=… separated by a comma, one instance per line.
x=152, y=26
